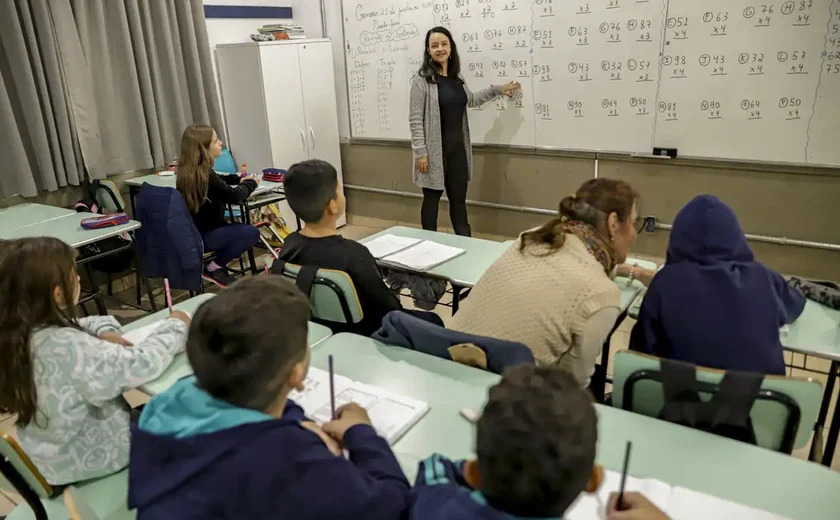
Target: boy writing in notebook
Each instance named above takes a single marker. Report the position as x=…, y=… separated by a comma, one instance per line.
x=229, y=443
x=535, y=442
x=315, y=196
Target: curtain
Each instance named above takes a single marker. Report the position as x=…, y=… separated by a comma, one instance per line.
x=98, y=86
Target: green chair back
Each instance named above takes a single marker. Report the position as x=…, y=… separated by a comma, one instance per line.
x=769, y=417
x=333, y=296
x=19, y=475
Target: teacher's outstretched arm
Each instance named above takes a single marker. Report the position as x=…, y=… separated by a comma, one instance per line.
x=476, y=99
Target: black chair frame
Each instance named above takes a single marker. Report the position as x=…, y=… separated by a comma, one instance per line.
x=793, y=418
x=23, y=488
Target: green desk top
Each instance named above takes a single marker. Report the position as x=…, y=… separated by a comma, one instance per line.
x=680, y=456
x=816, y=332
x=27, y=214
x=168, y=181
x=465, y=270
x=69, y=229
x=180, y=367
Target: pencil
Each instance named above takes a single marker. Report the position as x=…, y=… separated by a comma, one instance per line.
x=332, y=388
x=168, y=294
x=620, y=503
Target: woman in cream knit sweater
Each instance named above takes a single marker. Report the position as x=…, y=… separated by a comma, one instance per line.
x=553, y=289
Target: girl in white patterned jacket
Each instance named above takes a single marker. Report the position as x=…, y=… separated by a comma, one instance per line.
x=64, y=377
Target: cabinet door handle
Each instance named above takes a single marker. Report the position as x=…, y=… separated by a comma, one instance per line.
x=312, y=134
x=303, y=138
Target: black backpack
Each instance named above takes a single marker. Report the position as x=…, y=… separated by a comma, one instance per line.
x=112, y=264
x=727, y=413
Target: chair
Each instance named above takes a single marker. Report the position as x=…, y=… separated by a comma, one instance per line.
x=783, y=414
x=105, y=496
x=332, y=295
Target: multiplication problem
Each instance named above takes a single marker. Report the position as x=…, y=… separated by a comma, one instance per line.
x=716, y=64
x=580, y=69
x=669, y=109
x=575, y=107
x=610, y=107
x=717, y=22
x=678, y=27
x=639, y=104
x=790, y=108
x=613, y=68
x=543, y=111
x=799, y=12
x=794, y=60
x=641, y=68
x=712, y=109
x=640, y=30
x=753, y=62
x=675, y=63
x=752, y=108
x=612, y=30
x=544, y=8
x=545, y=38
x=580, y=34
x=760, y=15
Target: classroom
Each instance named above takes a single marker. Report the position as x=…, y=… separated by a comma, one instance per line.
x=439, y=258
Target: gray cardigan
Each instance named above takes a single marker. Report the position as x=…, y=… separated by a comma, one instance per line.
x=424, y=120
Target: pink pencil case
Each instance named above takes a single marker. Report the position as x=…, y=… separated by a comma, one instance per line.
x=116, y=219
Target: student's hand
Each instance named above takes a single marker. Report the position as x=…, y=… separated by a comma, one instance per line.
x=639, y=273
x=115, y=337
x=331, y=444
x=181, y=315
x=510, y=88
x=348, y=415
x=637, y=507
x=423, y=164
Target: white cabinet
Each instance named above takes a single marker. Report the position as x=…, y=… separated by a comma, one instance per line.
x=280, y=104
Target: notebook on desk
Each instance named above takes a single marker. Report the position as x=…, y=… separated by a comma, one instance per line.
x=678, y=503
x=392, y=414
x=385, y=245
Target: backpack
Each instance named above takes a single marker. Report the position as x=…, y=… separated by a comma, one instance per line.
x=727, y=413
x=103, y=198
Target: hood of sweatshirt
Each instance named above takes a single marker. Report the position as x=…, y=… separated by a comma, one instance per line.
x=706, y=231
x=185, y=431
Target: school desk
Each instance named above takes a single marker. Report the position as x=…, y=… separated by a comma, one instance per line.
x=68, y=229
x=680, y=456
x=266, y=193
x=180, y=367
x=27, y=214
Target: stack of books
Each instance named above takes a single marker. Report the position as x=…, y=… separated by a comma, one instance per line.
x=283, y=31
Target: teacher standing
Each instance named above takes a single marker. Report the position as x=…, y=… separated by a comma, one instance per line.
x=440, y=132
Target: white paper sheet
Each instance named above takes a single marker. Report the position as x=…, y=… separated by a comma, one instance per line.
x=389, y=244
x=686, y=504
x=391, y=414
x=594, y=506
x=423, y=256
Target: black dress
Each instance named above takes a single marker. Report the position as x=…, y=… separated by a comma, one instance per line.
x=452, y=99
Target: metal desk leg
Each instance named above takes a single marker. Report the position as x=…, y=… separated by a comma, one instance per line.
x=145, y=281
x=828, y=393
x=97, y=297
x=456, y=298
x=834, y=429
x=132, y=192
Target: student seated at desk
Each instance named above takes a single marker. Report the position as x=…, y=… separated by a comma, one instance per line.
x=314, y=195
x=553, y=289
x=207, y=195
x=229, y=443
x=535, y=446
x=64, y=377
x=713, y=304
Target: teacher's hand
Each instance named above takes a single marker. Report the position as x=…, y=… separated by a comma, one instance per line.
x=511, y=87
x=423, y=164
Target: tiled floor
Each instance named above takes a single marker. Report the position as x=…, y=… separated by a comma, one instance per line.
x=363, y=227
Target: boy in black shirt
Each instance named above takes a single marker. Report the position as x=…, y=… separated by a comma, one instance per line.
x=314, y=195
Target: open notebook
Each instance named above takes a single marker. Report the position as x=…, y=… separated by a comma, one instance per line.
x=678, y=503
x=391, y=414
x=411, y=253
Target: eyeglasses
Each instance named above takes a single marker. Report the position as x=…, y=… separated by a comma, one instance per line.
x=645, y=224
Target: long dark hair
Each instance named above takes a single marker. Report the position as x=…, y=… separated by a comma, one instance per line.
x=430, y=69
x=193, y=175
x=592, y=204
x=30, y=270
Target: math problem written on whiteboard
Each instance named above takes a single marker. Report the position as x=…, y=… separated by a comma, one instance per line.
x=736, y=79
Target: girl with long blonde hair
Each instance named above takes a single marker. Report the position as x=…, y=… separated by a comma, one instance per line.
x=207, y=194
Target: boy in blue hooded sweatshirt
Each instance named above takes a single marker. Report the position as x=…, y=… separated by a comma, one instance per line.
x=713, y=304
x=535, y=442
x=229, y=443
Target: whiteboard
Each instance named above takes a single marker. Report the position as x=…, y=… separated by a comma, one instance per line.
x=730, y=79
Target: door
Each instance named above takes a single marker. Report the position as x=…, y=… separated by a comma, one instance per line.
x=320, y=105
x=287, y=130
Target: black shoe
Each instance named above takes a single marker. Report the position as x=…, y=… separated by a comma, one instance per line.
x=220, y=277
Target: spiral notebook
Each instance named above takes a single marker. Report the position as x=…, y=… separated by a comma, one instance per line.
x=411, y=254
x=392, y=414
x=678, y=503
